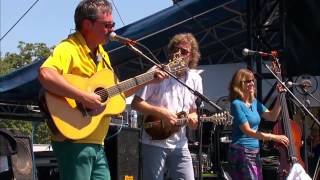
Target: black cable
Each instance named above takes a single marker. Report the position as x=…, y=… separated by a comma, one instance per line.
x=19, y=19
x=116, y=133
x=115, y=7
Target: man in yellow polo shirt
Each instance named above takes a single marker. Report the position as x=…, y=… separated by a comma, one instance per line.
x=82, y=54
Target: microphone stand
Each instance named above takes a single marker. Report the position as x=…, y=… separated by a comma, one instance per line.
x=311, y=95
x=304, y=134
x=198, y=104
x=306, y=93
x=199, y=96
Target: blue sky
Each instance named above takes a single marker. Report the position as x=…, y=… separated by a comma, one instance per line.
x=50, y=21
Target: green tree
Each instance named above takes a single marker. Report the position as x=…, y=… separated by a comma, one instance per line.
x=24, y=127
x=28, y=52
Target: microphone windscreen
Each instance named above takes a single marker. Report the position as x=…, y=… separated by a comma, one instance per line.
x=245, y=52
x=112, y=36
x=306, y=82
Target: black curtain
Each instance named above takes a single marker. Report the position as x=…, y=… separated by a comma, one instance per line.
x=303, y=35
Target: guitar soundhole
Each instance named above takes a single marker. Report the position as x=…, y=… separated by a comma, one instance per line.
x=102, y=93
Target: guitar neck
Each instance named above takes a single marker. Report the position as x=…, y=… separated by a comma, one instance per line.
x=177, y=64
x=220, y=119
x=129, y=83
x=183, y=121
x=292, y=155
x=287, y=127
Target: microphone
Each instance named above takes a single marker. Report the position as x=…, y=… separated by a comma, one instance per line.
x=303, y=84
x=114, y=37
x=248, y=52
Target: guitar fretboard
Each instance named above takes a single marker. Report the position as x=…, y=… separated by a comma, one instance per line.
x=217, y=119
x=125, y=85
x=183, y=121
x=292, y=154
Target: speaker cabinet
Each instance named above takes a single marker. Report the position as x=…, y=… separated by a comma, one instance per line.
x=123, y=153
x=47, y=165
x=20, y=163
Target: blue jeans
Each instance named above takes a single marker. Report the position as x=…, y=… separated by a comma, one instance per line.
x=157, y=160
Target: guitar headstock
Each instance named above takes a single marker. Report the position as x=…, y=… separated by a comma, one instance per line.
x=221, y=118
x=276, y=66
x=177, y=64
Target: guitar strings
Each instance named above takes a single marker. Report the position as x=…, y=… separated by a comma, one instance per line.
x=286, y=122
x=129, y=83
x=124, y=85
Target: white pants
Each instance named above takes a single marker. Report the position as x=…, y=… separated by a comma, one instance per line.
x=157, y=160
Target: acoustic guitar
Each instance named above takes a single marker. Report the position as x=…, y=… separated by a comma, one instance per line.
x=158, y=130
x=74, y=121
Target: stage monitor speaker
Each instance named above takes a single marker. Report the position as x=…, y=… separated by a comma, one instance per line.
x=122, y=152
x=22, y=161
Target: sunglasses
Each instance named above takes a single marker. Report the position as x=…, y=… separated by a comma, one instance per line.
x=248, y=81
x=182, y=50
x=108, y=25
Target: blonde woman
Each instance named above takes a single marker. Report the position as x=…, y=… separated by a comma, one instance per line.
x=243, y=155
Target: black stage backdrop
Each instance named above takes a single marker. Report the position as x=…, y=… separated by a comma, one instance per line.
x=303, y=37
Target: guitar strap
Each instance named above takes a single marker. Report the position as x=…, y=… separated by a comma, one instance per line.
x=101, y=56
x=108, y=65
x=97, y=58
x=106, y=61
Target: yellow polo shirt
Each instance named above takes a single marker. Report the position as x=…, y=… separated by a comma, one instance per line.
x=71, y=56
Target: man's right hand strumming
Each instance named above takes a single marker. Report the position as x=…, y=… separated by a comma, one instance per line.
x=169, y=118
x=90, y=100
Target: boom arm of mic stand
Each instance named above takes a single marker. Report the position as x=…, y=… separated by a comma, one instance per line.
x=196, y=93
x=292, y=95
x=308, y=93
x=137, y=51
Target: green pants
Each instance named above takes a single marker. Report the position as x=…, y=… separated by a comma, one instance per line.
x=81, y=161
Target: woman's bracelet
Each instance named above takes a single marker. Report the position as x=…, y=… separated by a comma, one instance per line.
x=270, y=138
